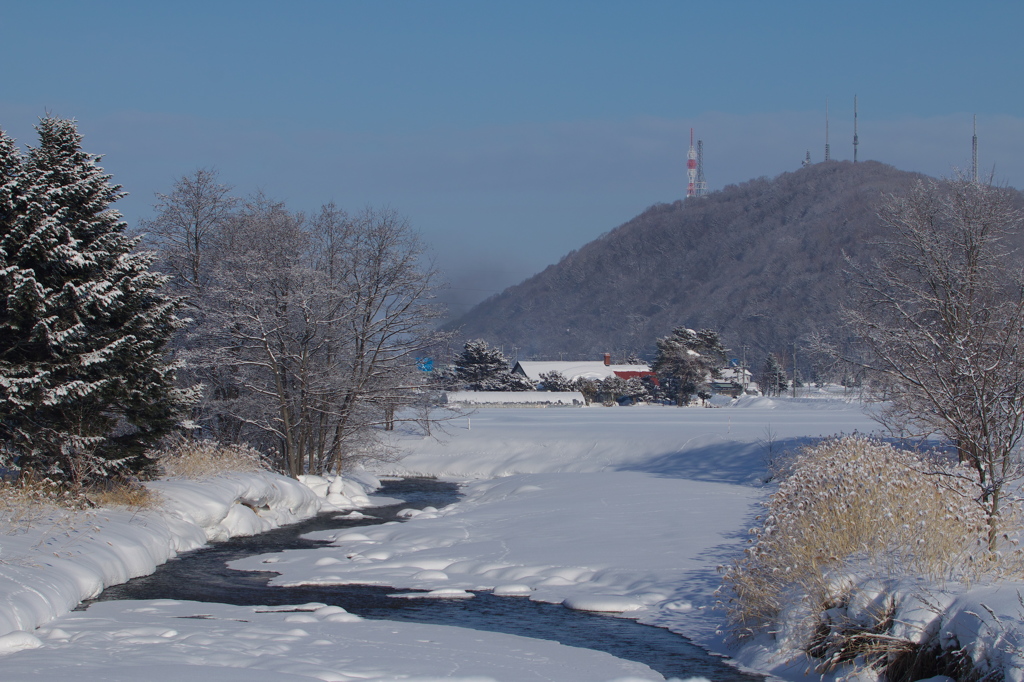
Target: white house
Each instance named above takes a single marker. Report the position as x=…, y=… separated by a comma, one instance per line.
x=573, y=370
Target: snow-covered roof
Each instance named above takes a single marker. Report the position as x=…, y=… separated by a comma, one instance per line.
x=735, y=374
x=573, y=370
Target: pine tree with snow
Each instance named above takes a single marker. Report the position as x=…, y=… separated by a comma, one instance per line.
x=555, y=381
x=687, y=360
x=84, y=385
x=612, y=388
x=481, y=368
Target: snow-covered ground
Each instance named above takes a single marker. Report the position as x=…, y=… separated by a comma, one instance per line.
x=48, y=566
x=624, y=510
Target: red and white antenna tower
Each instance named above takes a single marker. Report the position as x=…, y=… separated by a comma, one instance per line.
x=691, y=169
x=702, y=184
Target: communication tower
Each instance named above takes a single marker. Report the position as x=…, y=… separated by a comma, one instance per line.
x=701, y=188
x=828, y=155
x=974, y=151
x=855, y=141
x=691, y=169
x=807, y=161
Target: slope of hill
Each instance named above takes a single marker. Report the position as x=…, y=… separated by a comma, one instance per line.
x=761, y=262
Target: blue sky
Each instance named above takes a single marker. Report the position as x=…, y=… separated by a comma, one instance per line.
x=510, y=133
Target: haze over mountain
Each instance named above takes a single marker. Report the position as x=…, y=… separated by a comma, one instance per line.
x=761, y=262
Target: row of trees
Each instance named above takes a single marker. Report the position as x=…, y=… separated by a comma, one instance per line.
x=296, y=334
x=686, y=362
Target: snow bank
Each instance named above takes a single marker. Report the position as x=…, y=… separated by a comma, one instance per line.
x=169, y=641
x=981, y=625
x=342, y=492
x=48, y=568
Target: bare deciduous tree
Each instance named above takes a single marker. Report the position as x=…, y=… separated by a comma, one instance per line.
x=319, y=324
x=188, y=225
x=305, y=331
x=942, y=316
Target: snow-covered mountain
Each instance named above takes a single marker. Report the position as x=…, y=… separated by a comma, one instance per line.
x=761, y=262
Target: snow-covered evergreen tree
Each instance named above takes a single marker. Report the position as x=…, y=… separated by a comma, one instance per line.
x=637, y=391
x=688, y=360
x=612, y=388
x=590, y=388
x=84, y=384
x=481, y=368
x=555, y=381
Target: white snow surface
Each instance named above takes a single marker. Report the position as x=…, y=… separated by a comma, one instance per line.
x=519, y=398
x=628, y=511
x=48, y=567
x=169, y=641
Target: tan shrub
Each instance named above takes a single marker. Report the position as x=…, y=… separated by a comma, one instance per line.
x=129, y=495
x=204, y=458
x=854, y=507
x=25, y=502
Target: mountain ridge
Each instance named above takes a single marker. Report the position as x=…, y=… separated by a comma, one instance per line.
x=761, y=262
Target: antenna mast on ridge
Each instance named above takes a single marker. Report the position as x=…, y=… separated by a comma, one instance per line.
x=828, y=156
x=691, y=169
x=855, y=141
x=702, y=185
x=974, y=151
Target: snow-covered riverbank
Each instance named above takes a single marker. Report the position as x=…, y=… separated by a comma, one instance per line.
x=50, y=565
x=627, y=510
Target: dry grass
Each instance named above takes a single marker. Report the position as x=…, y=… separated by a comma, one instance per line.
x=202, y=459
x=128, y=495
x=26, y=503
x=853, y=507
x=23, y=504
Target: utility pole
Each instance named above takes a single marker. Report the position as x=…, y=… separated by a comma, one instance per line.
x=794, y=370
x=743, y=370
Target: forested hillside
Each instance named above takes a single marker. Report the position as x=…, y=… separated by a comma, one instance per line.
x=761, y=262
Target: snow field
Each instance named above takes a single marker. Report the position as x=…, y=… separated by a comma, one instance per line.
x=622, y=542
x=632, y=511
x=169, y=641
x=721, y=445
x=620, y=510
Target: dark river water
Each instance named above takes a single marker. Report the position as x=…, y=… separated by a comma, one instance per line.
x=202, y=575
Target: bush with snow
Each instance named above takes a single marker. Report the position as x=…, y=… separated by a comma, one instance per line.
x=849, y=511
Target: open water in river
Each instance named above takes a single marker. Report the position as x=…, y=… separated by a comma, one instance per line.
x=202, y=575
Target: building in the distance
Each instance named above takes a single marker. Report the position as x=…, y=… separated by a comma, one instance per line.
x=572, y=370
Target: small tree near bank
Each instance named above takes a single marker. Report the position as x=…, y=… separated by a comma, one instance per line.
x=85, y=387
x=941, y=315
